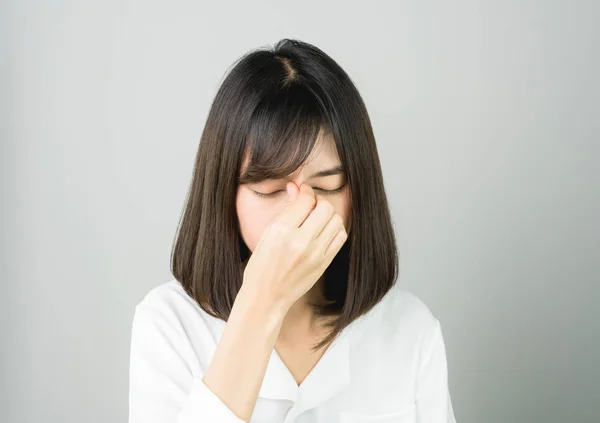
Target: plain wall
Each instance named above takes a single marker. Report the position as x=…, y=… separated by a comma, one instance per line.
x=486, y=116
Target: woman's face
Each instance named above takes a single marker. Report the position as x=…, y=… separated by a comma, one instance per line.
x=255, y=212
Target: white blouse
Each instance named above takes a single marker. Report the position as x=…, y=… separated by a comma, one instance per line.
x=389, y=366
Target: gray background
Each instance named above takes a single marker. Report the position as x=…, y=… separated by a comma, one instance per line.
x=487, y=122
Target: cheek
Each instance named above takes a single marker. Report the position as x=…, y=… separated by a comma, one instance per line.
x=341, y=203
x=253, y=217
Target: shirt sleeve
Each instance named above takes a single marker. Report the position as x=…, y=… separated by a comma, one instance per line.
x=162, y=386
x=433, y=401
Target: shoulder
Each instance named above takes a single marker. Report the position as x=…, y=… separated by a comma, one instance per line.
x=406, y=308
x=167, y=295
x=167, y=315
x=169, y=304
x=401, y=316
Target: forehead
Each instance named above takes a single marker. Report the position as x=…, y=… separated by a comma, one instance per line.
x=324, y=152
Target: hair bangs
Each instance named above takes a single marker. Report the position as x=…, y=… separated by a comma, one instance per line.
x=283, y=130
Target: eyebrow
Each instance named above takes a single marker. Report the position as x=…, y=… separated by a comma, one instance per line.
x=339, y=169
x=328, y=172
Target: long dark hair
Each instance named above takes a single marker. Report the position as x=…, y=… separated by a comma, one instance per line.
x=271, y=106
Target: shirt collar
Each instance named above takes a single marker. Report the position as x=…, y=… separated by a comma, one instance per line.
x=329, y=376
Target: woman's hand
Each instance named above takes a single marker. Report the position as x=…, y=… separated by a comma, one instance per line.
x=295, y=249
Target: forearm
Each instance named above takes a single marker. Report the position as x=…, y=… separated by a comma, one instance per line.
x=238, y=366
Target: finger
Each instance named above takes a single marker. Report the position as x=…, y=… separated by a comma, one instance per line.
x=317, y=219
x=335, y=246
x=292, y=192
x=331, y=229
x=298, y=207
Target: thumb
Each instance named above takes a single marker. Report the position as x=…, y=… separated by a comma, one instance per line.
x=292, y=191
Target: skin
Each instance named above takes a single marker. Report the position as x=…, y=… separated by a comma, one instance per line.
x=255, y=214
x=256, y=326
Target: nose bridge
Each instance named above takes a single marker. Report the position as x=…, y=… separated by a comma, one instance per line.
x=297, y=177
x=297, y=180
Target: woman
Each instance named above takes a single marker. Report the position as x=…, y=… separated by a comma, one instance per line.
x=282, y=307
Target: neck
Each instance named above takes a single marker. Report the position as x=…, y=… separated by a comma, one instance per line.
x=300, y=317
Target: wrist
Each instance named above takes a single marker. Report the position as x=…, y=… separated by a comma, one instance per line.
x=260, y=307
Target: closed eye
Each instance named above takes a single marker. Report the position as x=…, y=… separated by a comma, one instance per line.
x=323, y=191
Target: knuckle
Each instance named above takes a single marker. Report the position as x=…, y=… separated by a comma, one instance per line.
x=315, y=258
x=277, y=228
x=299, y=245
x=314, y=255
